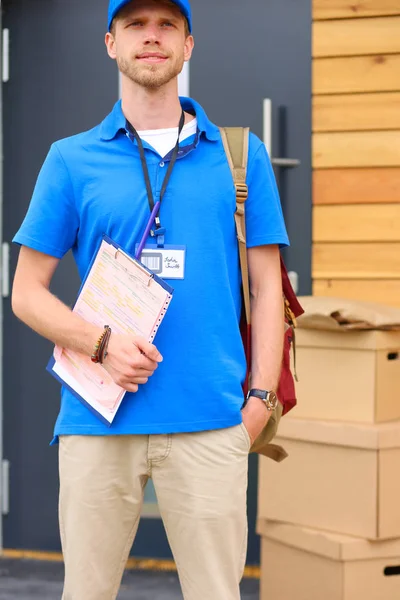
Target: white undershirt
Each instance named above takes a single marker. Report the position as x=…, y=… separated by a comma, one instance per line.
x=164, y=140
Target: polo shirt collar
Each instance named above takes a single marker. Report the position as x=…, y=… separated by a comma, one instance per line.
x=113, y=123
x=204, y=124
x=116, y=120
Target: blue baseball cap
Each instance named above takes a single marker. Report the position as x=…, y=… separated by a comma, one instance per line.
x=116, y=5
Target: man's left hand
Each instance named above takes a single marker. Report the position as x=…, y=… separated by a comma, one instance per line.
x=255, y=417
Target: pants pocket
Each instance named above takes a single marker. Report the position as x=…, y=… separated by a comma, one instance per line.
x=246, y=436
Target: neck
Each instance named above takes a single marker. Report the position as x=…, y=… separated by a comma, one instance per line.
x=151, y=109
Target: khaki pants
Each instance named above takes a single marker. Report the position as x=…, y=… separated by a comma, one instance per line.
x=200, y=480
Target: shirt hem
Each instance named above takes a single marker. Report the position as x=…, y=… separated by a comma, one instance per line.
x=160, y=429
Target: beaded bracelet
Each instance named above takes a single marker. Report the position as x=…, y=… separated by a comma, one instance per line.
x=101, y=346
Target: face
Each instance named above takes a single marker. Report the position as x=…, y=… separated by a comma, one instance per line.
x=149, y=42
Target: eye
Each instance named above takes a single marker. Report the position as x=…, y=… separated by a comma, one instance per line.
x=167, y=24
x=136, y=24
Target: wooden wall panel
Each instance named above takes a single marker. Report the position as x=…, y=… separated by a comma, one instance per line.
x=357, y=223
x=381, y=291
x=356, y=149
x=351, y=37
x=378, y=73
x=356, y=186
x=339, y=9
x=357, y=112
x=356, y=261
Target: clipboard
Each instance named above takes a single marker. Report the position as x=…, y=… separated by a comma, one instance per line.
x=132, y=300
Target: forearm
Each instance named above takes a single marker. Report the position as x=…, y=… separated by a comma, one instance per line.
x=267, y=317
x=43, y=312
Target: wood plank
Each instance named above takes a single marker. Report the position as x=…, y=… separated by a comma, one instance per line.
x=356, y=261
x=357, y=112
x=356, y=186
x=378, y=73
x=357, y=223
x=356, y=149
x=385, y=291
x=354, y=37
x=341, y=9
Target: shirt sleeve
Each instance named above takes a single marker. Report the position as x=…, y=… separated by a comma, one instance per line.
x=52, y=222
x=265, y=224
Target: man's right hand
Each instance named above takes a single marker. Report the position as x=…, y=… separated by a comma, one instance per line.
x=131, y=361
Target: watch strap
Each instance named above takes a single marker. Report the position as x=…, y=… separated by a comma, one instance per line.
x=261, y=394
x=268, y=397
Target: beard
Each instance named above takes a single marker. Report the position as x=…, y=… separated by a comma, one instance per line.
x=151, y=76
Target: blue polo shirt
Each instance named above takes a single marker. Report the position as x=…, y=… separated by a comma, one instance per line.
x=92, y=184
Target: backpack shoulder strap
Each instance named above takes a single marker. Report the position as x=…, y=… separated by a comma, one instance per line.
x=236, y=144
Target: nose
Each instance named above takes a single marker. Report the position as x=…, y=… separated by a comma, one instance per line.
x=152, y=34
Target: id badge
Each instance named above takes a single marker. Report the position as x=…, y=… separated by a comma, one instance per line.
x=167, y=262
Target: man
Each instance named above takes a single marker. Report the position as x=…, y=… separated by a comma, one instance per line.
x=182, y=422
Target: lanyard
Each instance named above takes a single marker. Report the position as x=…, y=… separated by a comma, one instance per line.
x=160, y=231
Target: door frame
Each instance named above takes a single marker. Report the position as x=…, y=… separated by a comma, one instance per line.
x=3, y=470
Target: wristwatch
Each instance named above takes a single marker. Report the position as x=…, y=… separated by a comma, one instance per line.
x=269, y=398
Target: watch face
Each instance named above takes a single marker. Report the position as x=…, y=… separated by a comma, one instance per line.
x=272, y=400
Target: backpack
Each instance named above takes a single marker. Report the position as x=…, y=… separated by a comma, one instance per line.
x=236, y=144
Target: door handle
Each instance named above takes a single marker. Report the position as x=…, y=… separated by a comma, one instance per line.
x=5, y=270
x=284, y=163
x=5, y=68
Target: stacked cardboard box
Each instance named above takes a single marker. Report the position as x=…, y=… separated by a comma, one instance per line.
x=329, y=515
x=306, y=564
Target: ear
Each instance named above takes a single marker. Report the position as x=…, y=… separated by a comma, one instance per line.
x=110, y=43
x=188, y=50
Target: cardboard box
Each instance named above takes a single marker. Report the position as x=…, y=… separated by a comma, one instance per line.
x=338, y=477
x=348, y=375
x=305, y=564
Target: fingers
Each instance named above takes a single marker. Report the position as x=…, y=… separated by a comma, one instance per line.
x=149, y=350
x=141, y=365
x=143, y=373
x=133, y=384
x=130, y=387
x=131, y=361
x=140, y=380
x=130, y=382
